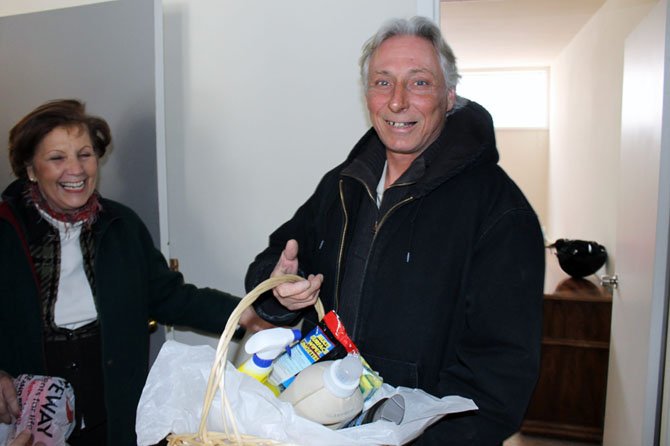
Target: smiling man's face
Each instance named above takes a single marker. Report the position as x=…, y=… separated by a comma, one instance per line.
x=407, y=96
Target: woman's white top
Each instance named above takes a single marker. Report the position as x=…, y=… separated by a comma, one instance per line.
x=74, y=302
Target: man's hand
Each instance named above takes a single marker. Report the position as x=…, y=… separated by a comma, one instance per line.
x=295, y=296
x=9, y=405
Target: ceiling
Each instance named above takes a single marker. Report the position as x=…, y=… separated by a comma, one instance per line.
x=512, y=33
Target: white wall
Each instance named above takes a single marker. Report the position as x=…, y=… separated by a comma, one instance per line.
x=261, y=99
x=586, y=82
x=524, y=154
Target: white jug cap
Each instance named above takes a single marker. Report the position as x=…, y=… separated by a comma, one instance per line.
x=343, y=376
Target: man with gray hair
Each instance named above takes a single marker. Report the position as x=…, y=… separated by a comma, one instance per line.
x=426, y=249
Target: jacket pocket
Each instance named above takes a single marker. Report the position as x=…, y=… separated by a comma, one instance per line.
x=394, y=372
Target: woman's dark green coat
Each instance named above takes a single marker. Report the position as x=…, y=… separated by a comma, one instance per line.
x=133, y=284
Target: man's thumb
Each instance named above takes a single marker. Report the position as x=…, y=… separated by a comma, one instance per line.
x=291, y=250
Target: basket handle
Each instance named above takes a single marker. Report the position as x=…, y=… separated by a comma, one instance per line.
x=267, y=285
x=216, y=374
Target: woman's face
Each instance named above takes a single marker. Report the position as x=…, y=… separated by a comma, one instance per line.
x=65, y=167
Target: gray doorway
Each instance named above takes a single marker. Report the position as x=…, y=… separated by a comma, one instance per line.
x=105, y=55
x=102, y=54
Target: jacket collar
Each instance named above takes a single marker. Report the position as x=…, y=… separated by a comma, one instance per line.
x=31, y=222
x=33, y=226
x=467, y=140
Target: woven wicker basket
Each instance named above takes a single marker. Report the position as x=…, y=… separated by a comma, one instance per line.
x=231, y=436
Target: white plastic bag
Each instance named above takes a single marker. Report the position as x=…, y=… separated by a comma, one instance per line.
x=173, y=396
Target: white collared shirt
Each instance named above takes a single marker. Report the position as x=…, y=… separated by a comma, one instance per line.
x=74, y=302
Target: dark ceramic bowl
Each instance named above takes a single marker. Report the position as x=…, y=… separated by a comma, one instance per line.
x=579, y=258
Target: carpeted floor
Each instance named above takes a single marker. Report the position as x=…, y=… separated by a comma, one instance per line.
x=527, y=440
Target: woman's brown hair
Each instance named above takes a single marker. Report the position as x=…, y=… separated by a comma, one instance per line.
x=26, y=135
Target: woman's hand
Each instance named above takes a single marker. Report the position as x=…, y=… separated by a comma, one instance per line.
x=10, y=410
x=25, y=438
x=9, y=405
x=295, y=296
x=252, y=322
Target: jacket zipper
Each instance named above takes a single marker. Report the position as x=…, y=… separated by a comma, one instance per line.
x=374, y=237
x=341, y=249
x=385, y=216
x=354, y=329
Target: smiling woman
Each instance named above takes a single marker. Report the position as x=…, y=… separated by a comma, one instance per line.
x=80, y=277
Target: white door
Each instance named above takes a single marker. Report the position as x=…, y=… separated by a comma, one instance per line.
x=638, y=309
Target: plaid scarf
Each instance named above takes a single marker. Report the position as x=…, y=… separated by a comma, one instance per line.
x=87, y=214
x=46, y=255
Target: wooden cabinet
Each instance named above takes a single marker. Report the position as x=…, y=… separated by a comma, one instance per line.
x=569, y=399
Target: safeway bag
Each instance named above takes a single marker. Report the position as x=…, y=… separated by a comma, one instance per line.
x=47, y=410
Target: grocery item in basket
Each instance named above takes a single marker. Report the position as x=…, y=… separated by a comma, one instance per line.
x=265, y=346
x=327, y=392
x=327, y=341
x=47, y=408
x=370, y=380
x=387, y=409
